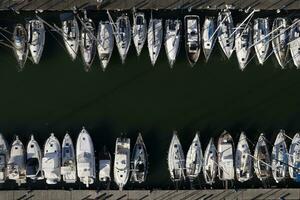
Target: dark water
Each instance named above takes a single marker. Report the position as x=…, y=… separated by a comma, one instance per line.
x=58, y=96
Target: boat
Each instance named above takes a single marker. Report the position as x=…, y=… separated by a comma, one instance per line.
x=36, y=39
x=243, y=160
x=262, y=159
x=139, y=161
x=192, y=38
x=85, y=158
x=225, y=32
x=104, y=166
x=279, y=158
x=210, y=163
x=176, y=161
x=16, y=166
x=4, y=158
x=225, y=157
x=123, y=36
x=243, y=42
x=155, y=39
x=51, y=161
x=208, y=36
x=172, y=39
x=70, y=33
x=122, y=162
x=68, y=160
x=20, y=45
x=294, y=158
x=261, y=39
x=139, y=31
x=280, y=41
x=34, y=160
x=194, y=159
x=294, y=42
x=105, y=43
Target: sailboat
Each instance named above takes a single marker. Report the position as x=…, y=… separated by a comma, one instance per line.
x=294, y=157
x=34, y=160
x=243, y=41
x=210, y=163
x=85, y=158
x=51, y=161
x=261, y=40
x=105, y=43
x=68, y=157
x=192, y=38
x=225, y=37
x=36, y=39
x=208, y=36
x=294, y=43
x=139, y=31
x=280, y=39
x=104, y=166
x=155, y=38
x=4, y=158
x=279, y=158
x=194, y=159
x=20, y=45
x=262, y=159
x=122, y=162
x=172, y=39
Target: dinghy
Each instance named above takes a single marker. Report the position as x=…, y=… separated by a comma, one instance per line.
x=20, y=45
x=16, y=166
x=155, y=38
x=295, y=42
x=68, y=165
x=225, y=37
x=243, y=41
x=225, y=157
x=261, y=39
x=210, y=163
x=122, y=162
x=172, y=39
x=4, y=158
x=139, y=31
x=105, y=43
x=176, y=161
x=192, y=38
x=36, y=39
x=104, y=166
x=279, y=158
x=294, y=158
x=85, y=158
x=262, y=159
x=34, y=160
x=208, y=36
x=280, y=41
x=139, y=161
x=194, y=159
x=51, y=161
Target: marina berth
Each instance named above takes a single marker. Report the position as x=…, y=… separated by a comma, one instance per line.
x=294, y=157
x=104, y=166
x=243, y=42
x=34, y=160
x=68, y=157
x=294, y=42
x=155, y=38
x=20, y=45
x=139, y=31
x=209, y=36
x=210, y=164
x=4, y=158
x=262, y=159
x=261, y=38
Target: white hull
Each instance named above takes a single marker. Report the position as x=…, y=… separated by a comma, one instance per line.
x=194, y=159
x=210, y=163
x=243, y=41
x=139, y=31
x=68, y=167
x=4, y=158
x=20, y=45
x=71, y=37
x=261, y=29
x=105, y=166
x=172, y=40
x=294, y=156
x=262, y=159
x=295, y=43
x=155, y=38
x=36, y=39
x=34, y=160
x=208, y=39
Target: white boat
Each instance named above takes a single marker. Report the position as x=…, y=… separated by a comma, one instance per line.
x=105, y=43
x=104, y=166
x=210, y=163
x=155, y=39
x=294, y=42
x=279, y=158
x=172, y=39
x=139, y=31
x=208, y=36
x=51, y=161
x=85, y=157
x=294, y=157
x=34, y=160
x=36, y=39
x=123, y=36
x=122, y=162
x=68, y=157
x=225, y=157
x=243, y=160
x=280, y=39
x=192, y=38
x=176, y=161
x=20, y=45
x=16, y=166
x=4, y=158
x=262, y=159
x=139, y=161
x=225, y=36
x=194, y=159
x=261, y=39
x=243, y=41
